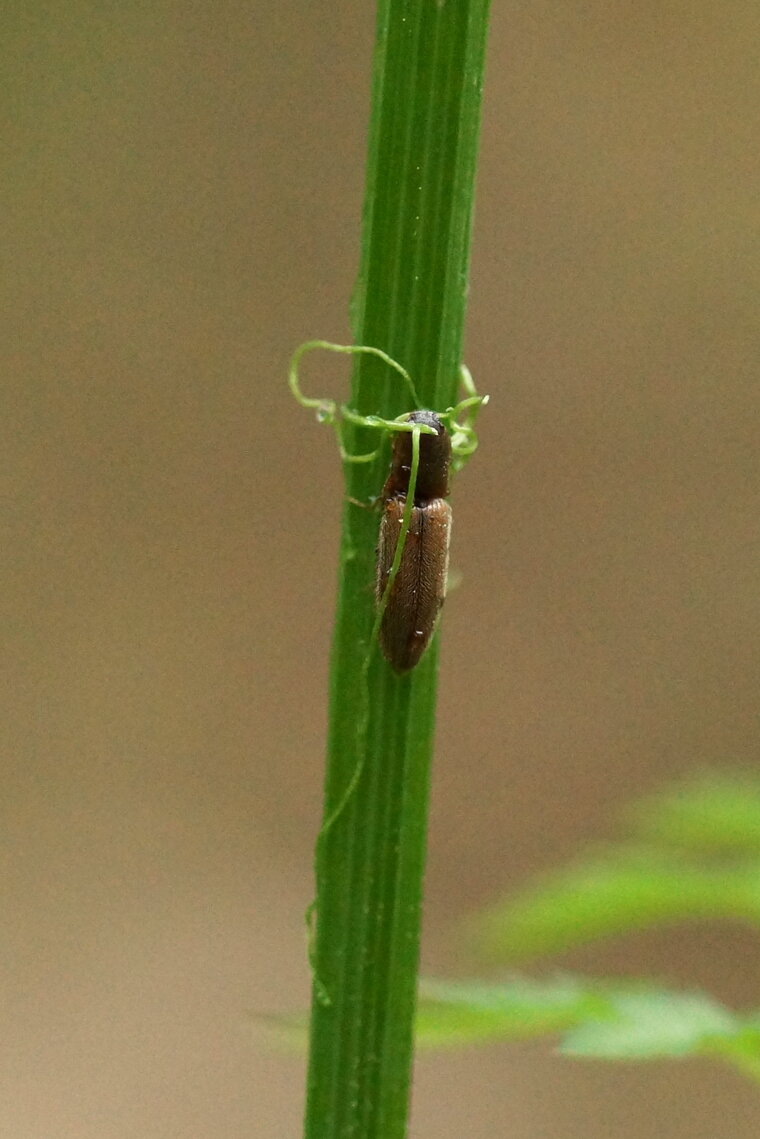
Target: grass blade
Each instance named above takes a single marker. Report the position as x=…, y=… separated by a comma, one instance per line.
x=410, y=303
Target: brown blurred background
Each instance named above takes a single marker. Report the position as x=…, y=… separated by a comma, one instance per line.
x=181, y=194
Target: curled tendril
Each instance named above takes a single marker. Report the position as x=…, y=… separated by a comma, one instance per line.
x=464, y=440
x=460, y=421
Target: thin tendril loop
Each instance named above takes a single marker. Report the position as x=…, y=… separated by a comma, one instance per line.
x=327, y=409
x=463, y=437
x=416, y=429
x=463, y=443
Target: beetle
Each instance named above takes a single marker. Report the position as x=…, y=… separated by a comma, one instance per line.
x=413, y=547
x=418, y=590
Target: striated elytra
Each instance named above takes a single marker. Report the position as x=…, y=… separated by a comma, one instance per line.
x=419, y=588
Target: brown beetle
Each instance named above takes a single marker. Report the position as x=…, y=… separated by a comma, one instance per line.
x=419, y=588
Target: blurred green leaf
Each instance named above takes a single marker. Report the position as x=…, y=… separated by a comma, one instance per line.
x=715, y=815
x=613, y=894
x=595, y=1019
x=623, y=1020
x=647, y=1025
x=451, y=1014
x=682, y=870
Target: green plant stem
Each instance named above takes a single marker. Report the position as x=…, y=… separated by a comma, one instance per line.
x=410, y=302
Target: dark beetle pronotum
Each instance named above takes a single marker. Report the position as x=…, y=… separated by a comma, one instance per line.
x=419, y=588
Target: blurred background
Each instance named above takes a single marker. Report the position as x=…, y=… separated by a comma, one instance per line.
x=181, y=196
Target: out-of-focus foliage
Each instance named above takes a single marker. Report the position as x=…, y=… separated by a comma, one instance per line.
x=691, y=854
x=626, y=1021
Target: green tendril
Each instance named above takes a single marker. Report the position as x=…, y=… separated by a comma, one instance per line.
x=460, y=421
